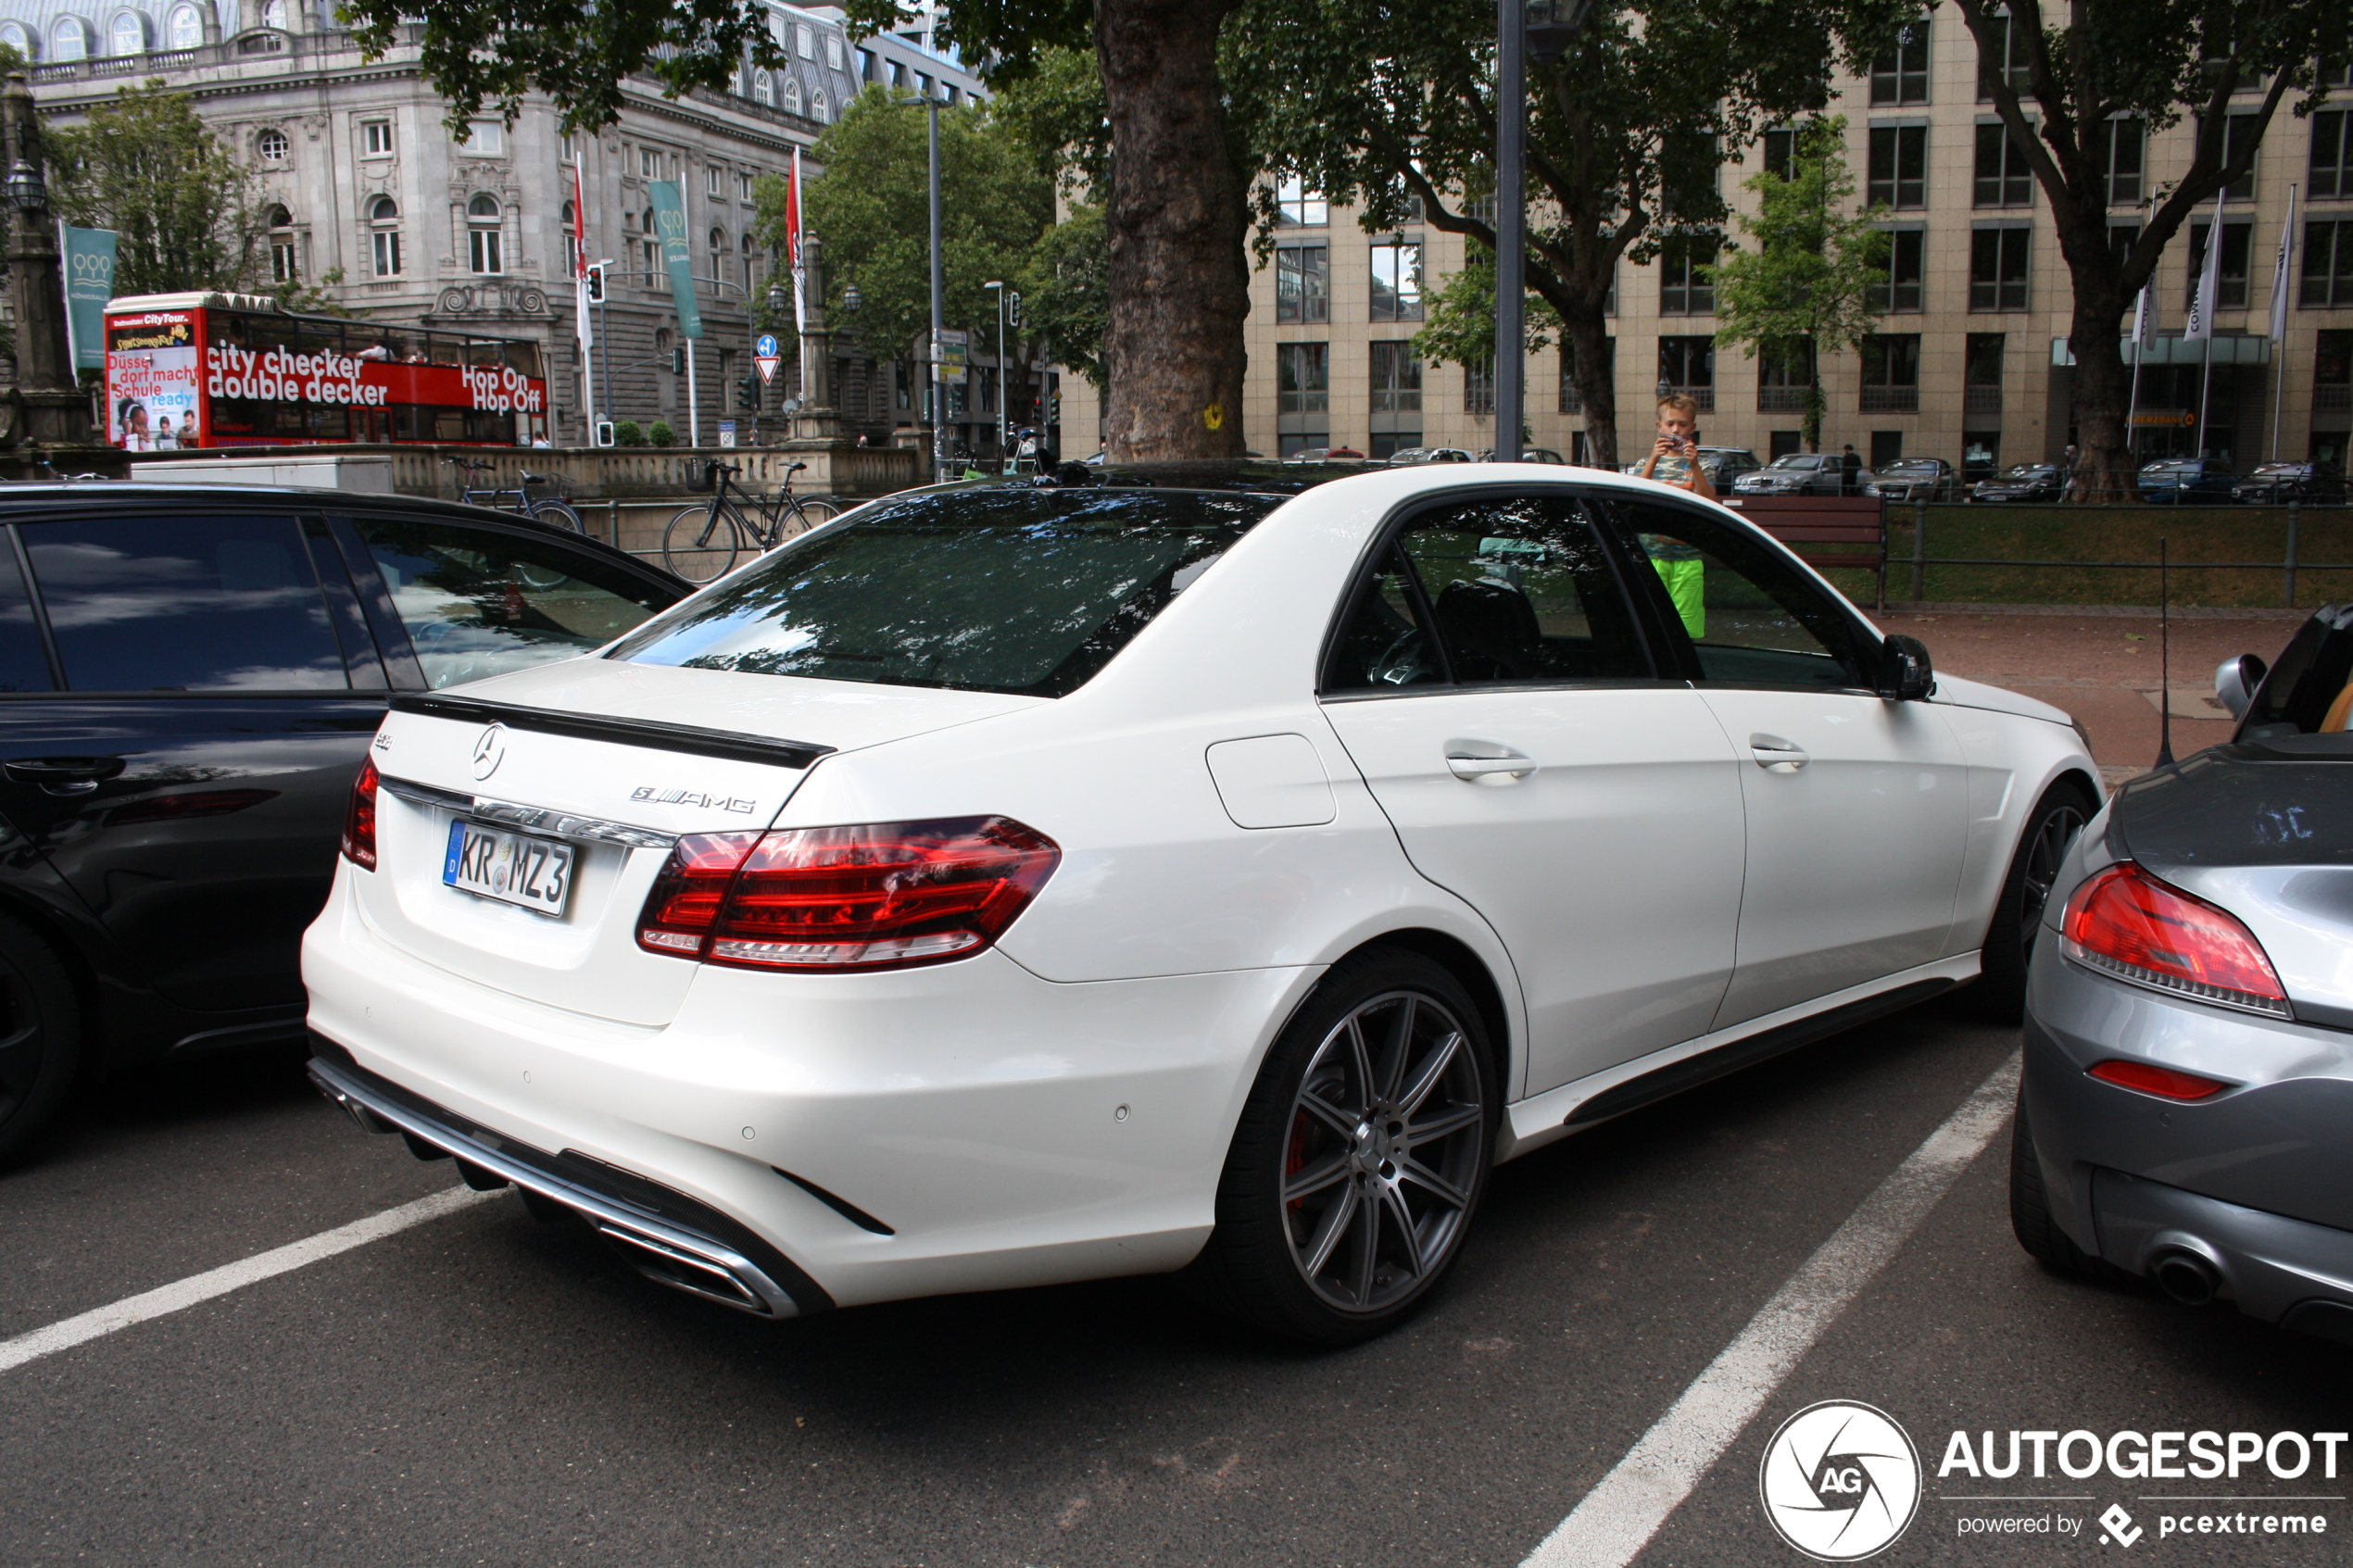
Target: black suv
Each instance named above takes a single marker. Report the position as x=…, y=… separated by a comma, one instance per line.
x=189, y=679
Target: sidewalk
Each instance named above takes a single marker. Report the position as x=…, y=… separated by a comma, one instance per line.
x=2103, y=669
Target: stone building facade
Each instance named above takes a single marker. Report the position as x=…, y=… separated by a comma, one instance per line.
x=365, y=181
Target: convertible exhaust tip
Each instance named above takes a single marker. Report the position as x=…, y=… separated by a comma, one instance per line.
x=2186, y=1277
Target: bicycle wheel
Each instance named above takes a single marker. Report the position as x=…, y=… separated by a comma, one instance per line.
x=703, y=543
x=815, y=512
x=559, y=513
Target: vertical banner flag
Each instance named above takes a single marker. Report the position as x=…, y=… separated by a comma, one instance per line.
x=89, y=257
x=2144, y=317
x=792, y=246
x=2209, y=279
x=2280, y=271
x=582, y=324
x=670, y=218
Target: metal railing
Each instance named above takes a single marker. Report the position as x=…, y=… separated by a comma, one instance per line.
x=1891, y=400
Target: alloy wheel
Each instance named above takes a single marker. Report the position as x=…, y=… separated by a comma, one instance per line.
x=2044, y=857
x=1387, y=1133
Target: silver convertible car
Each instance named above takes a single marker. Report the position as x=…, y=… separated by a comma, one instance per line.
x=2187, y=1108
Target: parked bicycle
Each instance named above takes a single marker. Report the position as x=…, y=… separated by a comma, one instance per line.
x=706, y=542
x=551, y=507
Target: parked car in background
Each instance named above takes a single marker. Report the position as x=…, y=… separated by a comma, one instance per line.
x=1024, y=883
x=2274, y=485
x=1322, y=454
x=1803, y=473
x=1917, y=479
x=1528, y=455
x=1724, y=465
x=2186, y=1113
x=188, y=683
x=2175, y=481
x=2023, y=482
x=1409, y=456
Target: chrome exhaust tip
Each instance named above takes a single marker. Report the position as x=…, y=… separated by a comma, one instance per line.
x=668, y=1265
x=2186, y=1277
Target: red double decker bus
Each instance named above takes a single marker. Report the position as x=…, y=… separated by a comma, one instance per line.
x=220, y=369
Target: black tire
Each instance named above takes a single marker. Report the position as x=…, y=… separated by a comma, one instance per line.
x=40, y=1036
x=815, y=512
x=685, y=551
x=2030, y=1219
x=559, y=514
x=1999, y=996
x=1332, y=1237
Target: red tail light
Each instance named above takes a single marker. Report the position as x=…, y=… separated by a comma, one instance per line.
x=874, y=896
x=360, y=820
x=2127, y=924
x=2163, y=1081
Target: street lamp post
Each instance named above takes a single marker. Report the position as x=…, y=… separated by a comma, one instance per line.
x=939, y=313
x=998, y=288
x=1544, y=28
x=53, y=409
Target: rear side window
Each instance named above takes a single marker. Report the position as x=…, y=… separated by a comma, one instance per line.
x=23, y=667
x=1000, y=590
x=1522, y=592
x=1752, y=616
x=478, y=602
x=185, y=604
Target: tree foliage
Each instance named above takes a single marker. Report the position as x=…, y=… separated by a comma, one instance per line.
x=1458, y=326
x=2071, y=76
x=1805, y=290
x=1067, y=289
x=1626, y=131
x=185, y=212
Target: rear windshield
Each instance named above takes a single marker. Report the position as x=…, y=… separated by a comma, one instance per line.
x=995, y=590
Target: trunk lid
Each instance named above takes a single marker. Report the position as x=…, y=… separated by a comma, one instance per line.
x=616, y=762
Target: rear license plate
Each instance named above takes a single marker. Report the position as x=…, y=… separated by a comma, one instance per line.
x=513, y=868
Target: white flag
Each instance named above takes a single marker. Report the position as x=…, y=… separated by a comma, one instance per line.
x=792, y=247
x=2280, y=271
x=2209, y=279
x=2144, y=316
x=583, y=321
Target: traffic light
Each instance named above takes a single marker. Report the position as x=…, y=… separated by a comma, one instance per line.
x=748, y=392
x=1013, y=307
x=595, y=285
x=679, y=362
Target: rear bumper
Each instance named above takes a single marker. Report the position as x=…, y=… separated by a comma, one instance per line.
x=966, y=1126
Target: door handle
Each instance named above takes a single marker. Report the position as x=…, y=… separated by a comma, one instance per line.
x=1476, y=770
x=63, y=775
x=1777, y=755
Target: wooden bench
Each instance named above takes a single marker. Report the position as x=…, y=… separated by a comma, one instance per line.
x=1825, y=531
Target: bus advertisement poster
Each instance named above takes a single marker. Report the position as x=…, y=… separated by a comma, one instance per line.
x=151, y=383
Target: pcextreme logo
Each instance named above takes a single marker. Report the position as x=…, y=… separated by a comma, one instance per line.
x=1840, y=1481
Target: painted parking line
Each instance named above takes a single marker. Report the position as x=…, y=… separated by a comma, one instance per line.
x=1619, y=1516
x=100, y=1322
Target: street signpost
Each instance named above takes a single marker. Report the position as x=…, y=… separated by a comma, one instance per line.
x=764, y=355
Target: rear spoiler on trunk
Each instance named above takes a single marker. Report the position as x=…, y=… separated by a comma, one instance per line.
x=649, y=733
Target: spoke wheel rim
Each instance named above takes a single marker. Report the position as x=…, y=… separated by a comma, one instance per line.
x=22, y=1040
x=1385, y=1150
x=2044, y=857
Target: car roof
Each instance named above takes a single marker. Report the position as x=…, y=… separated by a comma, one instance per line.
x=42, y=496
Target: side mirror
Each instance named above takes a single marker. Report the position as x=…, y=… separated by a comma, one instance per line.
x=1906, y=672
x=2235, y=681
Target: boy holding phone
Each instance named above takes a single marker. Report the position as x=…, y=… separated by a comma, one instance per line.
x=1674, y=459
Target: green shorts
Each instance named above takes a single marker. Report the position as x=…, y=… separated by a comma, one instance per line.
x=1687, y=586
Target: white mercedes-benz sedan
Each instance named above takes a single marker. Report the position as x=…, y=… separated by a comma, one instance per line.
x=1024, y=883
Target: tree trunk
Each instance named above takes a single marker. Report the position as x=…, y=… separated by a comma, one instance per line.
x=1594, y=367
x=2103, y=384
x=1177, y=216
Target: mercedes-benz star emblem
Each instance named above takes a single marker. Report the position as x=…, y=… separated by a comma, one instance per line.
x=490, y=749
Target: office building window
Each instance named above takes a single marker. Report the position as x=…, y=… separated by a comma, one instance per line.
x=1479, y=388
x=2230, y=282
x=1899, y=166
x=1397, y=281
x=1303, y=378
x=1302, y=283
x=2242, y=134
x=1781, y=152
x=2332, y=155
x=1689, y=176
x=2328, y=263
x=384, y=235
x=1907, y=271
x=2008, y=57
x=1397, y=378
x=1688, y=365
x=2004, y=176
x=1297, y=206
x=485, y=138
x=1981, y=374
x=1892, y=373
x=1685, y=287
x=376, y=138
x=2126, y=151
x=1997, y=275
x=1900, y=76
x=1784, y=376
x=484, y=251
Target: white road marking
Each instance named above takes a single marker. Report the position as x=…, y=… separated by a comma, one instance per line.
x=1619, y=1516
x=132, y=1310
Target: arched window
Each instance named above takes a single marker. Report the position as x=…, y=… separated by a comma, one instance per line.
x=283, y=267
x=187, y=28
x=130, y=33
x=15, y=36
x=821, y=109
x=383, y=224
x=273, y=14
x=792, y=96
x=68, y=39
x=484, y=250
x=763, y=87
x=272, y=145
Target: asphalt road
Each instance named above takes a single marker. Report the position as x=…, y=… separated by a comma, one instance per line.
x=484, y=1389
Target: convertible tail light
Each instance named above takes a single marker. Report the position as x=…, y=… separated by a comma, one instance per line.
x=2127, y=924
x=2163, y=1081
x=360, y=820
x=874, y=896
